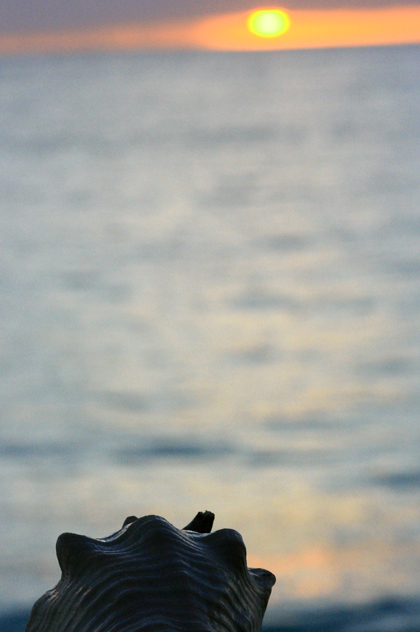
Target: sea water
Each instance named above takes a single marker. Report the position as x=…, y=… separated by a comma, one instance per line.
x=210, y=299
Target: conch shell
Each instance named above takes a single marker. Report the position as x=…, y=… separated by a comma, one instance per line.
x=152, y=577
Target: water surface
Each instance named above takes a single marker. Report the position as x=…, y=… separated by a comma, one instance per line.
x=209, y=300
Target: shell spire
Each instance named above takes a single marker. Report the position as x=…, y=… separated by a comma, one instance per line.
x=152, y=577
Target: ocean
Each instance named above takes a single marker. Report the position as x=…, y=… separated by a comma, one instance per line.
x=210, y=293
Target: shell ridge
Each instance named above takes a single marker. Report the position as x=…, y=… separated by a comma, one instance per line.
x=152, y=577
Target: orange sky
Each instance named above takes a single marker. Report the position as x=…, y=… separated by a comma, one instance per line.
x=309, y=29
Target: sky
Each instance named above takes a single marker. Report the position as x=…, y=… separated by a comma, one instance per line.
x=30, y=26
x=36, y=15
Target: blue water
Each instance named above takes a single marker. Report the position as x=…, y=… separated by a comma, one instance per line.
x=210, y=299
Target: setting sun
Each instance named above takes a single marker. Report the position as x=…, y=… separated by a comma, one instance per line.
x=268, y=22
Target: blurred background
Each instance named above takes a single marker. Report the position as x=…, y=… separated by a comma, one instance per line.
x=210, y=299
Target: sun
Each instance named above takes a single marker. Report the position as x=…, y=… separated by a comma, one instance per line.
x=268, y=22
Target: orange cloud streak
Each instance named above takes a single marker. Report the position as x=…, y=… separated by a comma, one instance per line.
x=229, y=32
x=121, y=38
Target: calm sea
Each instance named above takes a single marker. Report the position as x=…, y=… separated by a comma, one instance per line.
x=210, y=293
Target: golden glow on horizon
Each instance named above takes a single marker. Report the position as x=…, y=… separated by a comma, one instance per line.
x=268, y=22
x=316, y=29
x=230, y=32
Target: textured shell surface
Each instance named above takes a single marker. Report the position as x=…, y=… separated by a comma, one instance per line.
x=152, y=576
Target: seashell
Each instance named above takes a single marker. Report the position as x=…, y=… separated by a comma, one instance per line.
x=152, y=577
